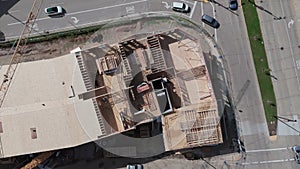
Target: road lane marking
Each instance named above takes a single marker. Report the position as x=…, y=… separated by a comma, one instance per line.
x=290, y=23
x=187, y=2
x=166, y=4
x=14, y=11
x=214, y=13
x=85, y=11
x=130, y=9
x=267, y=162
x=298, y=64
x=68, y=27
x=202, y=12
x=193, y=10
x=291, y=50
x=266, y=150
x=74, y=19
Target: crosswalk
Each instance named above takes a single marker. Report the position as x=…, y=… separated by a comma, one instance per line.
x=267, y=156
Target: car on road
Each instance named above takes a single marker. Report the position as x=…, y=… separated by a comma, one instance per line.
x=134, y=166
x=296, y=150
x=233, y=4
x=54, y=10
x=180, y=7
x=210, y=21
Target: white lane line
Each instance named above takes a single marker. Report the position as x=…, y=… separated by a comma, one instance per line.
x=64, y=28
x=290, y=45
x=202, y=12
x=70, y=27
x=267, y=162
x=214, y=13
x=193, y=10
x=14, y=11
x=187, y=2
x=265, y=150
x=85, y=11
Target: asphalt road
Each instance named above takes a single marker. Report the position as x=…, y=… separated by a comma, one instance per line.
x=93, y=12
x=233, y=40
x=78, y=14
x=280, y=29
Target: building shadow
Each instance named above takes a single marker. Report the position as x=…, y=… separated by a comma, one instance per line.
x=6, y=5
x=2, y=36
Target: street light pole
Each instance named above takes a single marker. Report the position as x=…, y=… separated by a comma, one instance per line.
x=278, y=118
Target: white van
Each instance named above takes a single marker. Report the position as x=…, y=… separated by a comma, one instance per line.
x=180, y=7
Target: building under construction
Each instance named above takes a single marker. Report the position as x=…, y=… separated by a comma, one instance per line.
x=160, y=76
x=108, y=89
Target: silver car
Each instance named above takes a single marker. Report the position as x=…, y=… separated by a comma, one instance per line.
x=134, y=166
x=296, y=150
x=55, y=10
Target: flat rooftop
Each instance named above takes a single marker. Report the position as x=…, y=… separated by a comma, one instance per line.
x=42, y=110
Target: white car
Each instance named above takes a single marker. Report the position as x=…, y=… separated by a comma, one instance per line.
x=180, y=7
x=55, y=10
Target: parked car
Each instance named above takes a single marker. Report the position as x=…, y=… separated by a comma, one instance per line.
x=210, y=21
x=180, y=7
x=55, y=10
x=233, y=4
x=134, y=166
x=296, y=150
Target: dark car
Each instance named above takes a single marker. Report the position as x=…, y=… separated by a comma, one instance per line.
x=210, y=21
x=296, y=150
x=233, y=4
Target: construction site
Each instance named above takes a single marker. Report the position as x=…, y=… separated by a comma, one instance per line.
x=112, y=87
x=158, y=76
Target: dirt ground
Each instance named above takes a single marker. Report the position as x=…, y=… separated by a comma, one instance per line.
x=45, y=50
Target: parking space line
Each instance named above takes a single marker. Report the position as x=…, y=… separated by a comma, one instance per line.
x=187, y=2
x=193, y=10
x=265, y=150
x=214, y=13
x=85, y=11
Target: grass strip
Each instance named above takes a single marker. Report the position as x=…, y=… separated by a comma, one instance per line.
x=263, y=71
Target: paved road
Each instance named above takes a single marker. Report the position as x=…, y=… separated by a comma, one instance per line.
x=282, y=46
x=78, y=14
x=281, y=39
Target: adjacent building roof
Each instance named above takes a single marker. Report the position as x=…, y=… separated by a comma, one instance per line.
x=42, y=110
